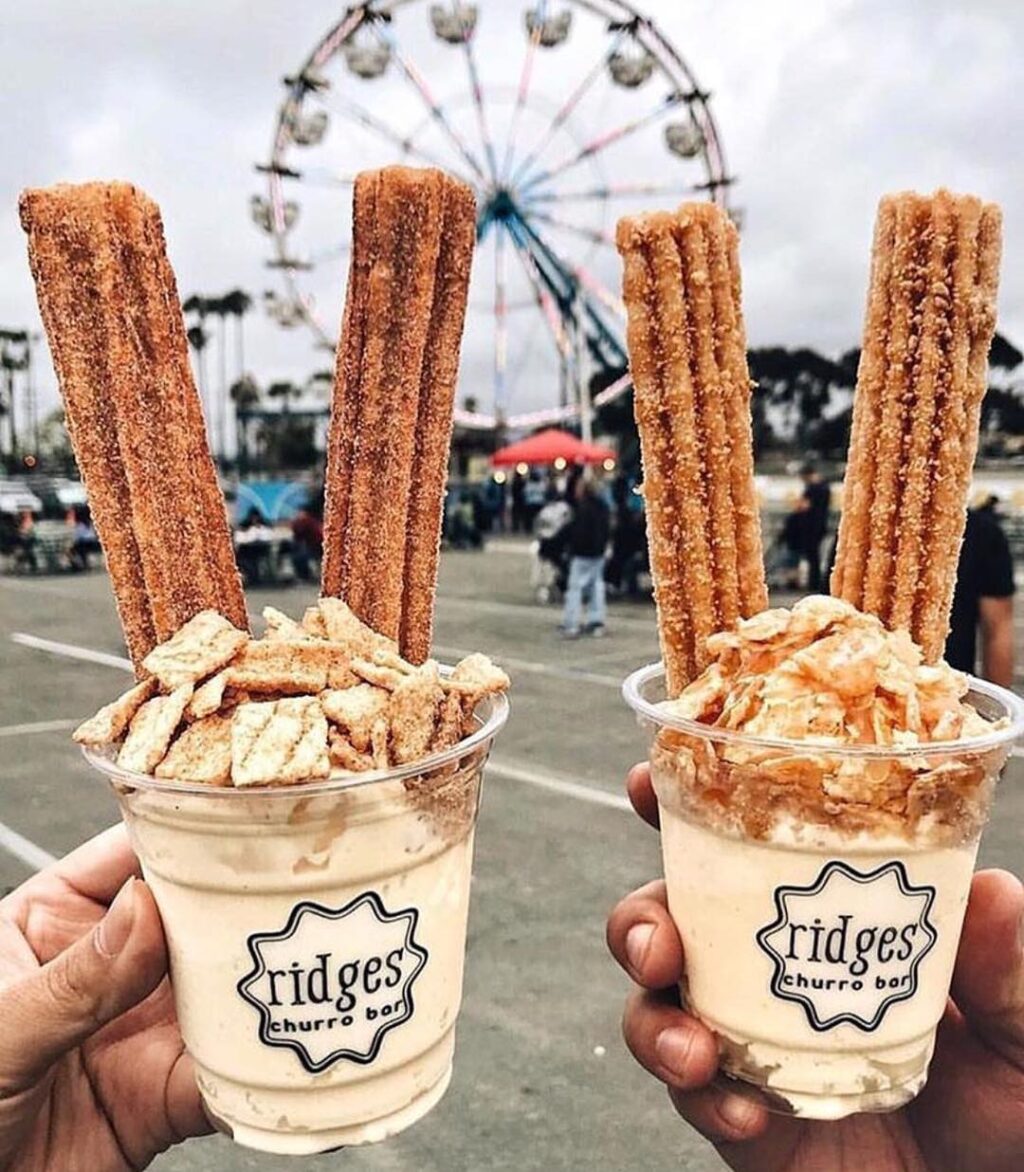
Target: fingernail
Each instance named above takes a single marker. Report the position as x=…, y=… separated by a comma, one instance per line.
x=638, y=944
x=739, y=1113
x=673, y=1050
x=116, y=926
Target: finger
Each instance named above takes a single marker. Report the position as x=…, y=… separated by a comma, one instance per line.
x=641, y=793
x=988, y=981
x=722, y=1115
x=54, y=1009
x=185, y=1111
x=643, y=938
x=668, y=1042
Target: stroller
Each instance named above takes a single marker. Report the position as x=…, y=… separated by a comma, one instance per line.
x=549, y=561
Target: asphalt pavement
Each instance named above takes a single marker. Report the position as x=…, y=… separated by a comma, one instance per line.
x=542, y=1077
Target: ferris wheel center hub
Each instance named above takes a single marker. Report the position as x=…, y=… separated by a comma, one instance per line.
x=501, y=204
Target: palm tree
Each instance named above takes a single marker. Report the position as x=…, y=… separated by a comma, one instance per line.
x=238, y=303
x=245, y=394
x=285, y=391
x=217, y=308
x=197, y=339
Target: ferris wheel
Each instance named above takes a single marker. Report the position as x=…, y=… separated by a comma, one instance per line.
x=561, y=117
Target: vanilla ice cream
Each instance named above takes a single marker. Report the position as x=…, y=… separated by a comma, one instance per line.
x=316, y=936
x=822, y=792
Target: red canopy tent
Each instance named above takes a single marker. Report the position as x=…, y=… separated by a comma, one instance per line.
x=548, y=446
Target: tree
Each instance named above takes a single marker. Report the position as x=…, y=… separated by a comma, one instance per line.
x=285, y=391
x=237, y=303
x=1003, y=354
x=287, y=443
x=244, y=394
x=799, y=384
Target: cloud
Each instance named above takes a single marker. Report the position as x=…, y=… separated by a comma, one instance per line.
x=821, y=109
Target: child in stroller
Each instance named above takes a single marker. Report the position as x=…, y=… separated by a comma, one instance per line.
x=549, y=569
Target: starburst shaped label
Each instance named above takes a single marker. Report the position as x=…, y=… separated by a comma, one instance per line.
x=333, y=982
x=849, y=946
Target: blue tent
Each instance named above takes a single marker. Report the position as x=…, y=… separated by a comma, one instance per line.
x=275, y=500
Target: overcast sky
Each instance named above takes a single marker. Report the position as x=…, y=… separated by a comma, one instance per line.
x=821, y=108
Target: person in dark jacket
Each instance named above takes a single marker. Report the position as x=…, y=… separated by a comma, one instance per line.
x=814, y=523
x=983, y=599
x=587, y=540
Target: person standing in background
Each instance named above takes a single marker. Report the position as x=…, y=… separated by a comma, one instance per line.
x=588, y=539
x=307, y=542
x=983, y=599
x=817, y=497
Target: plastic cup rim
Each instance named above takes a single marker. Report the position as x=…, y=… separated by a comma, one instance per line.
x=632, y=692
x=490, y=724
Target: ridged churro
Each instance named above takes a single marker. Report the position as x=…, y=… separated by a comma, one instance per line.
x=110, y=307
x=688, y=361
x=391, y=418
x=931, y=314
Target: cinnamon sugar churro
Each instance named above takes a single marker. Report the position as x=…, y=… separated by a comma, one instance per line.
x=391, y=419
x=110, y=307
x=692, y=401
x=930, y=320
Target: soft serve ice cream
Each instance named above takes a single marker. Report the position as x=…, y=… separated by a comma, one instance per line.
x=303, y=806
x=822, y=792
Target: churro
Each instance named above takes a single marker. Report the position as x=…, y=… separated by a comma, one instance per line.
x=692, y=401
x=391, y=419
x=110, y=307
x=930, y=319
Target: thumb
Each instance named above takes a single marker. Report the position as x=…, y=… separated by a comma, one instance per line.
x=988, y=983
x=58, y=1006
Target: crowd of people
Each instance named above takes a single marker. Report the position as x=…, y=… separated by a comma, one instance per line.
x=589, y=541
x=70, y=547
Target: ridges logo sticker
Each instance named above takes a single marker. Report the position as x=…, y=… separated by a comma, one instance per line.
x=849, y=946
x=332, y=982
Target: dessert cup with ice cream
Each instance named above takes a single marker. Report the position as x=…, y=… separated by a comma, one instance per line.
x=822, y=793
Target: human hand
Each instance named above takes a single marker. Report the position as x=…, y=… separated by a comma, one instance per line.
x=93, y=1071
x=970, y=1114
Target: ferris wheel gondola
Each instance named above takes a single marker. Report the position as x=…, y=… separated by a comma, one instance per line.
x=600, y=116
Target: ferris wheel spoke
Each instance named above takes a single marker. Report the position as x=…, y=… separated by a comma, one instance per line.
x=565, y=110
x=525, y=77
x=617, y=191
x=543, y=296
x=603, y=141
x=601, y=291
x=500, y=320
x=324, y=177
x=594, y=235
x=481, y=113
x=354, y=112
x=413, y=76
x=603, y=340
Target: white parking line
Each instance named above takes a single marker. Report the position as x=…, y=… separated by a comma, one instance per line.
x=70, y=651
x=533, y=667
x=558, y=785
x=31, y=855
x=39, y=726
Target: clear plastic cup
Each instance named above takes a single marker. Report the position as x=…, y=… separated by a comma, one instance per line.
x=820, y=932
x=317, y=935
